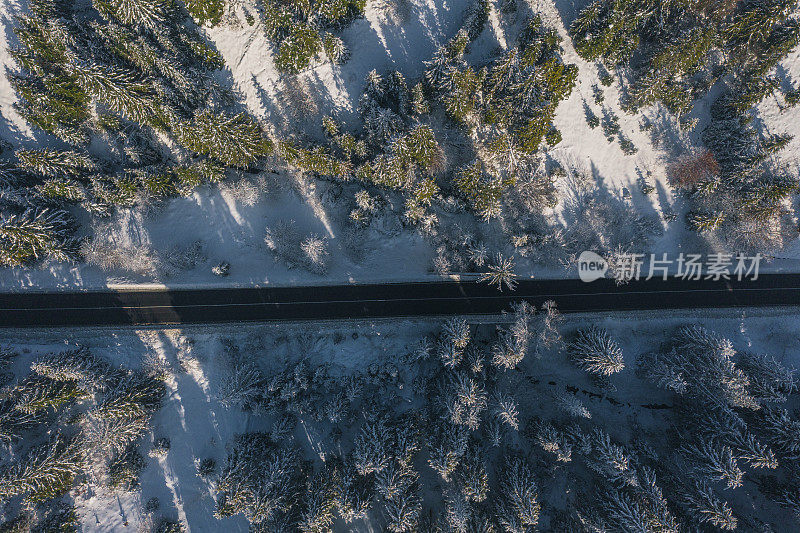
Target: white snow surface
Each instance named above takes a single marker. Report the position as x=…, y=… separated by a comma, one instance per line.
x=198, y=427
x=227, y=223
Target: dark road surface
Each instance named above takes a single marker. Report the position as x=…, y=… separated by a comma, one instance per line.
x=155, y=307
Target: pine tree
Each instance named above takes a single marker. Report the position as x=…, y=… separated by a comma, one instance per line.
x=203, y=11
x=392, y=481
x=610, y=460
x=148, y=13
x=45, y=471
x=120, y=91
x=135, y=396
x=371, y=448
x=457, y=332
x=607, y=29
x=770, y=381
x=61, y=190
x=716, y=462
x=13, y=422
x=55, y=163
x=709, y=508
x=298, y=49
x=458, y=511
x=107, y=437
x=506, y=411
x=570, y=404
x=241, y=387
x=41, y=394
x=233, y=140
x=78, y=366
x=756, y=454
x=257, y=479
x=466, y=401
x=510, y=350
x=419, y=104
x=709, y=370
x=446, y=452
x=355, y=496
x=519, y=506
x=783, y=431
x=335, y=48
x=449, y=353
x=595, y=351
x=320, y=502
x=403, y=513
x=501, y=273
x=472, y=476
x=435, y=69
x=35, y=234
x=554, y=442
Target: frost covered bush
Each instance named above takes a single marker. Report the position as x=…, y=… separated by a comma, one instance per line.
x=179, y=258
x=310, y=251
x=160, y=447
x=529, y=329
x=315, y=252
x=595, y=351
x=107, y=255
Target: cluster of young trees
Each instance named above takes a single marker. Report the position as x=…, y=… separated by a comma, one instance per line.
x=733, y=431
x=506, y=106
x=676, y=51
x=672, y=46
x=299, y=29
x=379, y=474
x=458, y=408
x=74, y=416
x=744, y=195
x=120, y=74
x=293, y=249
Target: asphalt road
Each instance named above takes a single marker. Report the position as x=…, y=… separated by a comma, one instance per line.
x=179, y=306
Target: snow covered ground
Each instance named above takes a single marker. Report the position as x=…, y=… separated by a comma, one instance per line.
x=227, y=223
x=200, y=359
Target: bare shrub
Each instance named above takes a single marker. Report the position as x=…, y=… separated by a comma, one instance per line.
x=108, y=256
x=308, y=251
x=245, y=191
x=692, y=169
x=180, y=258
x=296, y=97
